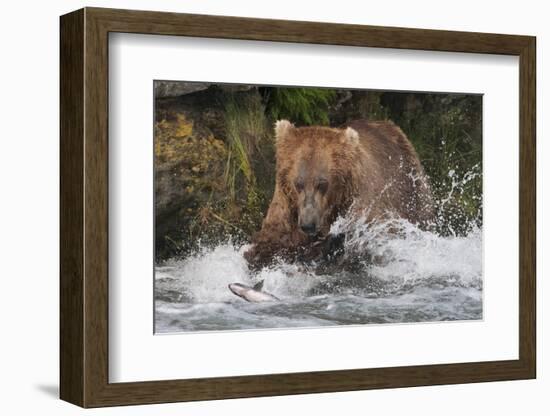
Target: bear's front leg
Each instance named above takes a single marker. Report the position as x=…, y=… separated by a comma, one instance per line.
x=260, y=255
x=326, y=249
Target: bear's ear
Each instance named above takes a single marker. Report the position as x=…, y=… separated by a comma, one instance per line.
x=282, y=128
x=351, y=136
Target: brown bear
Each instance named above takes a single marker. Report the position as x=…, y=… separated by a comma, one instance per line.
x=366, y=169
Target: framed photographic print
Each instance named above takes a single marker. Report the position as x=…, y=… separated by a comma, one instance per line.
x=256, y=207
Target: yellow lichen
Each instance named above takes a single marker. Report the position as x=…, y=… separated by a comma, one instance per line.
x=184, y=128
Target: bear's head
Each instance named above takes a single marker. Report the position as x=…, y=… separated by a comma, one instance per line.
x=314, y=172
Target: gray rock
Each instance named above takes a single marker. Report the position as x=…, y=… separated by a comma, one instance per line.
x=167, y=89
x=164, y=89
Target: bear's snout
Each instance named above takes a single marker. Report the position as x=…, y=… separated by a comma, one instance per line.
x=309, y=228
x=309, y=220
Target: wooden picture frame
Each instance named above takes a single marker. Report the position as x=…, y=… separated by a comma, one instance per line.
x=84, y=207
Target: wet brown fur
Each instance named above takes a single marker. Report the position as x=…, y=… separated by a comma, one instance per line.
x=372, y=169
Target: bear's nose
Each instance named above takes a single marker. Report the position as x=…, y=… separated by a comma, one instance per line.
x=309, y=228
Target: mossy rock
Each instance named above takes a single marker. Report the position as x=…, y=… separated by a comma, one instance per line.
x=189, y=170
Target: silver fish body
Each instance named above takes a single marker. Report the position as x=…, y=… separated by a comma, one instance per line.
x=251, y=294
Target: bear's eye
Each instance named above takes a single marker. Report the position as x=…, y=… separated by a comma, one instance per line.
x=322, y=186
x=299, y=186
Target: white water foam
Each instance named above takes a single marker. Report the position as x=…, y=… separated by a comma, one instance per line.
x=399, y=250
x=204, y=276
x=394, y=251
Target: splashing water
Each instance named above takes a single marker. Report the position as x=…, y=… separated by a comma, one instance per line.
x=408, y=254
x=403, y=274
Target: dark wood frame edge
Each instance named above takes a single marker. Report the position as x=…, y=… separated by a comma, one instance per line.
x=84, y=207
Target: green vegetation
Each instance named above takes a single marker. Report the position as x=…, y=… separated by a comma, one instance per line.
x=246, y=129
x=446, y=130
x=304, y=106
x=248, y=138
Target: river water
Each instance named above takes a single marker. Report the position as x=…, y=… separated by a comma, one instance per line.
x=409, y=275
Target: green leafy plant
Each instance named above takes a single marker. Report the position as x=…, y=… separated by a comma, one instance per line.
x=300, y=105
x=246, y=127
